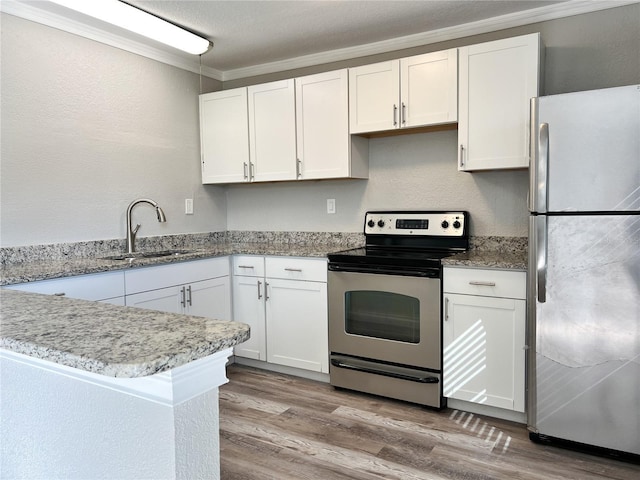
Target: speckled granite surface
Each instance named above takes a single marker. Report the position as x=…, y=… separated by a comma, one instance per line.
x=43, y=262
x=506, y=253
x=107, y=339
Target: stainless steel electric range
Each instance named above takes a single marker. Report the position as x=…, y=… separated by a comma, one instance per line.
x=385, y=334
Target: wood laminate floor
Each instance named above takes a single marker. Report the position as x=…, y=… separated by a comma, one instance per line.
x=276, y=426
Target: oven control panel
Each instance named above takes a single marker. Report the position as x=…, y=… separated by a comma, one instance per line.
x=447, y=224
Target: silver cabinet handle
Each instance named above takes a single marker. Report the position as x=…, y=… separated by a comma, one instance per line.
x=245, y=266
x=292, y=269
x=482, y=284
x=461, y=159
x=259, y=285
x=252, y=175
x=395, y=115
x=183, y=300
x=298, y=168
x=246, y=176
x=189, y=296
x=403, y=114
x=266, y=290
x=446, y=308
x=59, y=294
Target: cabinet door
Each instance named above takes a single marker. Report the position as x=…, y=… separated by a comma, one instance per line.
x=209, y=298
x=483, y=358
x=224, y=136
x=296, y=318
x=322, y=125
x=248, y=307
x=429, y=89
x=164, y=299
x=497, y=80
x=272, y=131
x=374, y=93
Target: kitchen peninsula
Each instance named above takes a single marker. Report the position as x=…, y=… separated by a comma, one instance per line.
x=93, y=390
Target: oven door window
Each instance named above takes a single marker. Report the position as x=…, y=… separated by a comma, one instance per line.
x=385, y=315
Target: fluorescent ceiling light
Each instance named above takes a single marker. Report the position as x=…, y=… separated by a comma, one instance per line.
x=140, y=22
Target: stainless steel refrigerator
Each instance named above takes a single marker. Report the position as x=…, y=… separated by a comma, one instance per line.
x=584, y=269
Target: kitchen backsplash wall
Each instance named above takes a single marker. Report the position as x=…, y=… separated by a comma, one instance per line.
x=417, y=171
x=86, y=129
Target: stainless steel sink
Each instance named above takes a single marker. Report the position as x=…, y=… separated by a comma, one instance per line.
x=136, y=255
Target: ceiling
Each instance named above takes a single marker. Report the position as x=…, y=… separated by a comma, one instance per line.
x=254, y=37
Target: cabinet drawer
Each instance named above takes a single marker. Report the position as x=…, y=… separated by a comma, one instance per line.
x=484, y=282
x=99, y=286
x=296, y=268
x=248, y=265
x=152, y=278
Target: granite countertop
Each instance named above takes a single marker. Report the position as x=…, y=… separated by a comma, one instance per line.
x=488, y=259
x=108, y=339
x=45, y=269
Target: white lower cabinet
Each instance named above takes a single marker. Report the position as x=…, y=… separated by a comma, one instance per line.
x=484, y=337
x=103, y=287
x=199, y=288
x=284, y=300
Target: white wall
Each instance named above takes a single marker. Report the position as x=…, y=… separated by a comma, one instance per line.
x=86, y=129
x=417, y=171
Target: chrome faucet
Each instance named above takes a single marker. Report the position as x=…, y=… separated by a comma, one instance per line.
x=131, y=232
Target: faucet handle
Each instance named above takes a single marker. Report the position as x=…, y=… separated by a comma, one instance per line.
x=135, y=230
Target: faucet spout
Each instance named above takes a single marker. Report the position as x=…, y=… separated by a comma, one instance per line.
x=131, y=231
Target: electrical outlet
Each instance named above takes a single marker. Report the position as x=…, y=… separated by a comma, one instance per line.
x=188, y=206
x=331, y=205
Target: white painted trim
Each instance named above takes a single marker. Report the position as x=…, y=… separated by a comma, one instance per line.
x=272, y=367
x=550, y=12
x=36, y=14
x=168, y=388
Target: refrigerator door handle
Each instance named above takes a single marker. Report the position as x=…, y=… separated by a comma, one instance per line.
x=542, y=168
x=541, y=258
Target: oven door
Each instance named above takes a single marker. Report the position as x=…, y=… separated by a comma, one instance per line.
x=388, y=318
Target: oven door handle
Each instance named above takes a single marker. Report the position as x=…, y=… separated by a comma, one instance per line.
x=383, y=271
x=359, y=368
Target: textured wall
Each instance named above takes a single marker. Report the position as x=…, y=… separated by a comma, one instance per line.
x=86, y=129
x=416, y=171
x=583, y=52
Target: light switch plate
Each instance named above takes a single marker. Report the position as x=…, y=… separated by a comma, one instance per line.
x=188, y=206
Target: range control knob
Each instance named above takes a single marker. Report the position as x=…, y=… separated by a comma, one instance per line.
x=381, y=223
x=444, y=224
x=371, y=223
x=456, y=224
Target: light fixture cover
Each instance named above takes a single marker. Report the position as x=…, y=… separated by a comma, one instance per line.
x=140, y=22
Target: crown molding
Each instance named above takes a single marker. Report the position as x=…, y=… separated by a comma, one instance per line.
x=30, y=11
x=570, y=8
x=551, y=12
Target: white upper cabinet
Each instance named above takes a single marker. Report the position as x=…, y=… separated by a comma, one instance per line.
x=429, y=89
x=272, y=131
x=224, y=138
x=497, y=80
x=322, y=126
x=410, y=92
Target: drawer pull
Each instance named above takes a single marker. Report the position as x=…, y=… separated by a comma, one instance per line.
x=482, y=284
x=245, y=266
x=59, y=294
x=293, y=270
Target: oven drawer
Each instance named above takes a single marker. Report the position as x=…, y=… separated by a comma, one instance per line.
x=485, y=282
x=290, y=268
